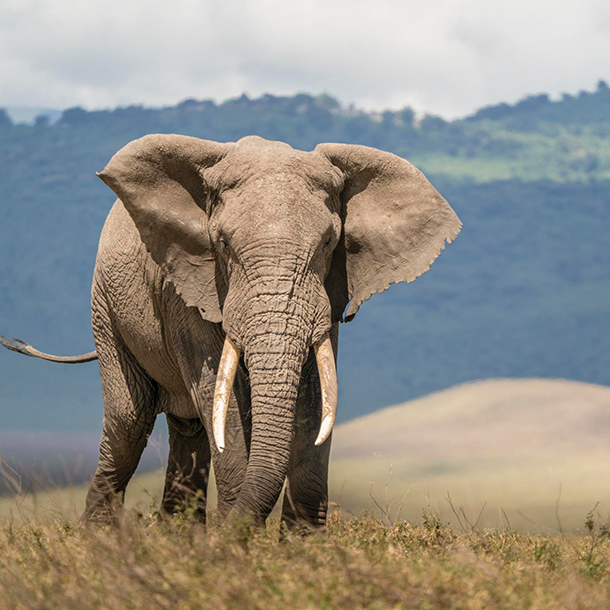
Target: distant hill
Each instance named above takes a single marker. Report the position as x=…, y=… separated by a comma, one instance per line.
x=30, y=114
x=524, y=290
x=38, y=460
x=585, y=108
x=496, y=419
x=520, y=445
x=509, y=443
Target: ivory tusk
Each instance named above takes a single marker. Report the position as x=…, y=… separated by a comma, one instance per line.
x=325, y=358
x=222, y=393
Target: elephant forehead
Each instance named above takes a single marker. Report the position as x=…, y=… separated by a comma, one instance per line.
x=279, y=195
x=250, y=142
x=276, y=167
x=278, y=206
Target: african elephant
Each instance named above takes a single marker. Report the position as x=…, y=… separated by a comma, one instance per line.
x=222, y=273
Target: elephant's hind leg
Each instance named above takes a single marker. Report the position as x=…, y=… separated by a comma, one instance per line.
x=188, y=468
x=130, y=408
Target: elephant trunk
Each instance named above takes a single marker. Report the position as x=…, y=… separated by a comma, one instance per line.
x=274, y=363
x=283, y=311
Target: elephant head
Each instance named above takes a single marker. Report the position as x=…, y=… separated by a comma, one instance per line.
x=278, y=244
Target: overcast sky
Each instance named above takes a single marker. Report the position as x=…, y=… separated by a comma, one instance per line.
x=447, y=57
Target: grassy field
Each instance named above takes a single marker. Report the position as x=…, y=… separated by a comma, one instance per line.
x=359, y=562
x=450, y=501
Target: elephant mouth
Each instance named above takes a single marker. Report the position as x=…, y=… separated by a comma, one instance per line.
x=226, y=376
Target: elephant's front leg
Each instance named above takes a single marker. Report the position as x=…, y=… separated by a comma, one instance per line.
x=306, y=497
x=130, y=407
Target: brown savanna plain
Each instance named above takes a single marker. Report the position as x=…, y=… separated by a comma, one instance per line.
x=492, y=494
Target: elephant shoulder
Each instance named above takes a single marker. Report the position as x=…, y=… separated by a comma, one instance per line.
x=120, y=244
x=119, y=233
x=122, y=258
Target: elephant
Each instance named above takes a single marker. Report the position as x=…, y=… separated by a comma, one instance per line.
x=222, y=274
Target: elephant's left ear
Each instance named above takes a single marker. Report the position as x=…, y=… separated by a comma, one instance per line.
x=396, y=225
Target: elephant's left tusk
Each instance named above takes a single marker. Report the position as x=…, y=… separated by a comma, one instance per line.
x=325, y=358
x=224, y=384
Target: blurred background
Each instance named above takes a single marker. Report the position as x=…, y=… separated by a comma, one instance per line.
x=507, y=111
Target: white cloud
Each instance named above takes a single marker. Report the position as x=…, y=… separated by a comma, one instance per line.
x=443, y=56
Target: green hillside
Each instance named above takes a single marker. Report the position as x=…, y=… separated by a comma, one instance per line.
x=522, y=292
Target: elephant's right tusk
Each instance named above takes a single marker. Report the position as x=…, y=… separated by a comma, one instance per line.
x=224, y=384
x=328, y=382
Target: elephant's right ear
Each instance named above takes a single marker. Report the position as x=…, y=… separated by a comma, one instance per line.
x=159, y=179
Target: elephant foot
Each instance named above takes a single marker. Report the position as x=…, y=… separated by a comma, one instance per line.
x=304, y=516
x=300, y=530
x=242, y=524
x=190, y=507
x=102, y=515
x=299, y=527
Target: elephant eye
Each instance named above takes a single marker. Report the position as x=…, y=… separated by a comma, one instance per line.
x=222, y=244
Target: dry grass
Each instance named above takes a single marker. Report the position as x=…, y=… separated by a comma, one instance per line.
x=504, y=443
x=359, y=562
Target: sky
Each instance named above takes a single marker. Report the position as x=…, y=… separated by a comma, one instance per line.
x=446, y=57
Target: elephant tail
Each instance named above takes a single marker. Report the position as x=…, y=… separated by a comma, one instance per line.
x=21, y=347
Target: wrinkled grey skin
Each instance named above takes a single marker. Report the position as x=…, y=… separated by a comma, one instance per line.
x=268, y=245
